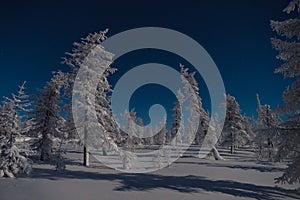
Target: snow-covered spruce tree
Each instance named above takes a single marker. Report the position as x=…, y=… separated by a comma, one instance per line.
x=178, y=124
x=12, y=162
x=2, y=121
x=249, y=128
x=69, y=127
x=234, y=134
x=288, y=46
x=79, y=58
x=159, y=158
x=21, y=104
x=212, y=138
x=47, y=121
x=8, y=122
x=148, y=141
x=267, y=132
x=161, y=136
x=14, y=114
x=204, y=118
x=192, y=96
x=130, y=130
x=140, y=131
x=13, y=159
x=196, y=107
x=137, y=140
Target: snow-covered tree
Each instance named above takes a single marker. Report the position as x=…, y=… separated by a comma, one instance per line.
x=288, y=45
x=8, y=121
x=212, y=138
x=178, y=124
x=21, y=104
x=195, y=108
x=148, y=141
x=249, y=128
x=161, y=139
x=69, y=127
x=47, y=121
x=192, y=87
x=13, y=159
x=130, y=130
x=234, y=133
x=267, y=132
x=140, y=132
x=129, y=146
x=13, y=114
x=81, y=58
x=12, y=162
x=161, y=136
x=159, y=158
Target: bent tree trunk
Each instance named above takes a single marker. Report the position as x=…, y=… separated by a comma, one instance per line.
x=216, y=154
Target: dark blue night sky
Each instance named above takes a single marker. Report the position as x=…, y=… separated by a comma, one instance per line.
x=34, y=35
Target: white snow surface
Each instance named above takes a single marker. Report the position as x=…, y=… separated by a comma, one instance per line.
x=240, y=176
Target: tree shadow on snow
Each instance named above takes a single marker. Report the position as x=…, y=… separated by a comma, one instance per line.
x=185, y=184
x=267, y=168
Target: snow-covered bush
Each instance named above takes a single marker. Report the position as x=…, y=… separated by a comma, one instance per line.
x=127, y=159
x=57, y=158
x=12, y=163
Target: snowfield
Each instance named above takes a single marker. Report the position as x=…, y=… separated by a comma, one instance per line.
x=238, y=177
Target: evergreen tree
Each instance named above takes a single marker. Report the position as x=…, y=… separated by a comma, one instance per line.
x=140, y=131
x=130, y=130
x=234, y=132
x=195, y=108
x=204, y=118
x=47, y=121
x=212, y=138
x=179, y=125
x=161, y=136
x=288, y=46
x=149, y=140
x=267, y=132
x=176, y=119
x=13, y=161
x=127, y=155
x=80, y=58
x=13, y=114
x=8, y=122
x=139, y=140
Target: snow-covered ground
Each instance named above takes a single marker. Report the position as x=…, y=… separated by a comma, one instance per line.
x=238, y=177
